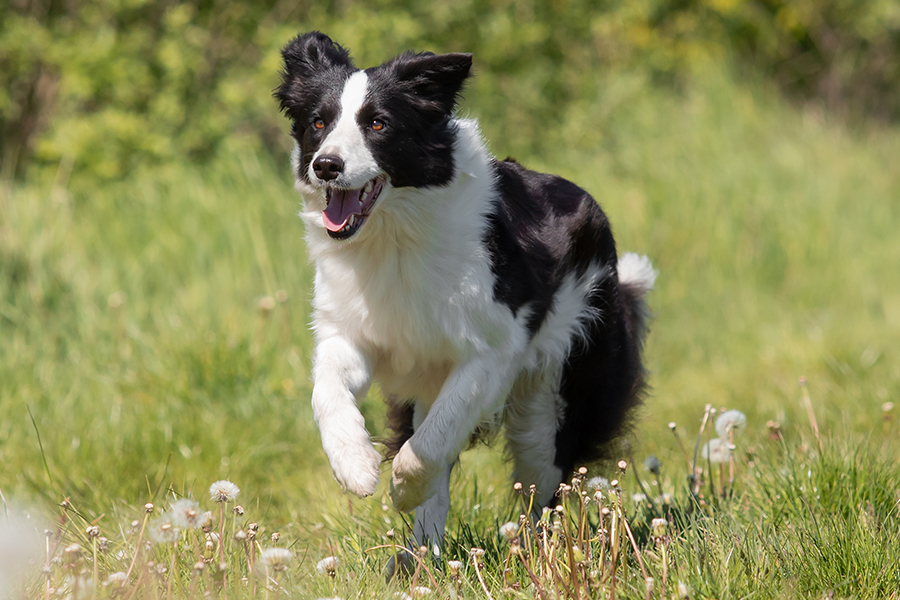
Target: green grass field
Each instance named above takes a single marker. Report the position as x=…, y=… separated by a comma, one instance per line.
x=153, y=340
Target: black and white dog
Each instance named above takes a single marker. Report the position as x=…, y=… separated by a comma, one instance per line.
x=474, y=290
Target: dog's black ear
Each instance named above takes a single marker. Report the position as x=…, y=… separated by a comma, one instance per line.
x=313, y=52
x=305, y=57
x=436, y=77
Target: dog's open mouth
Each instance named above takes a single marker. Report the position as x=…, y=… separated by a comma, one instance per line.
x=346, y=210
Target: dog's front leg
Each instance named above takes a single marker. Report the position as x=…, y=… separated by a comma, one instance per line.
x=474, y=391
x=341, y=374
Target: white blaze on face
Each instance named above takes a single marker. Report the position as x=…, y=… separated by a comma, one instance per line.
x=346, y=140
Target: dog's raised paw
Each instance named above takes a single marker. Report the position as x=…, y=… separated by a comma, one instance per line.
x=358, y=471
x=412, y=480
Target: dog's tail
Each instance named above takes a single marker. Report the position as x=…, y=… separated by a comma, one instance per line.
x=636, y=278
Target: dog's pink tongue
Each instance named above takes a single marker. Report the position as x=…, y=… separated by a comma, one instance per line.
x=343, y=203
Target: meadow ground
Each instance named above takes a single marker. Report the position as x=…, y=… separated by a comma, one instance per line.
x=154, y=341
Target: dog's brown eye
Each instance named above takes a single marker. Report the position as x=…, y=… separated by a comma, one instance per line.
x=319, y=124
x=377, y=125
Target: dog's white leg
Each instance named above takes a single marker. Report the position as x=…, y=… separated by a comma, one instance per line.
x=475, y=390
x=341, y=374
x=532, y=418
x=431, y=516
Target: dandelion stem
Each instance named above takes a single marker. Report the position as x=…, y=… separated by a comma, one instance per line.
x=480, y=578
x=137, y=547
x=695, y=483
x=96, y=567
x=634, y=546
x=810, y=412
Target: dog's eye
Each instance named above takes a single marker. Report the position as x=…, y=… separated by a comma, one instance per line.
x=377, y=125
x=319, y=124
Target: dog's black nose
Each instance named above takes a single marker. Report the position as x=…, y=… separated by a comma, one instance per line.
x=328, y=167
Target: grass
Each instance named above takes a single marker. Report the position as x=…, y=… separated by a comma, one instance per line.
x=154, y=340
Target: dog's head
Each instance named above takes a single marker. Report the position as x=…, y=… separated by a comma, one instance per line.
x=360, y=133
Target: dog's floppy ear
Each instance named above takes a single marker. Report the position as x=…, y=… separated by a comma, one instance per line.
x=437, y=78
x=305, y=57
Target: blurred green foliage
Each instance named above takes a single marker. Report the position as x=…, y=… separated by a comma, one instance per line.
x=112, y=84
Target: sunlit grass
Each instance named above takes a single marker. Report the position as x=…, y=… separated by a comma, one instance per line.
x=153, y=339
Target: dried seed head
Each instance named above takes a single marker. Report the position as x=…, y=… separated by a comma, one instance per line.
x=517, y=486
x=622, y=465
x=163, y=532
x=186, y=513
x=717, y=451
x=223, y=491
x=102, y=544
x=328, y=566
x=199, y=566
x=658, y=527
x=683, y=591
x=509, y=531
x=582, y=471
x=238, y=510
x=265, y=305
x=275, y=537
x=423, y=551
x=240, y=535
x=92, y=531
x=454, y=566
x=728, y=421
x=476, y=552
x=420, y=591
x=148, y=508
x=652, y=464
x=278, y=559
x=389, y=534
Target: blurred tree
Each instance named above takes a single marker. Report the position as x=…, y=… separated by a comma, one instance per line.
x=113, y=84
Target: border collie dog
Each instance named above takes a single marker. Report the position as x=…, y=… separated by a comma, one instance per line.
x=475, y=291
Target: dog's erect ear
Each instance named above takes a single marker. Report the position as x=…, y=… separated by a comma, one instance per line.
x=306, y=57
x=435, y=77
x=313, y=52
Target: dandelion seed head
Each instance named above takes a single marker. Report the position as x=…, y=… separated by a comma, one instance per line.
x=277, y=559
x=186, y=513
x=639, y=497
x=328, y=565
x=162, y=531
x=658, y=527
x=117, y=579
x=454, y=566
x=652, y=464
x=597, y=483
x=509, y=531
x=420, y=591
x=223, y=491
x=730, y=420
x=717, y=451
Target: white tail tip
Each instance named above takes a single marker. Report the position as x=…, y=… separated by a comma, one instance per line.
x=636, y=270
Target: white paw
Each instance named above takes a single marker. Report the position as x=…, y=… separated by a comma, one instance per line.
x=413, y=481
x=356, y=467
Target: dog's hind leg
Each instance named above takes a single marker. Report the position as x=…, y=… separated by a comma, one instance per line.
x=532, y=418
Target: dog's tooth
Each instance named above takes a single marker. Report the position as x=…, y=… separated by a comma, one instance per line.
x=363, y=196
x=368, y=187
